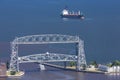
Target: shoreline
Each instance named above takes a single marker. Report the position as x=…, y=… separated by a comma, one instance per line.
x=74, y=69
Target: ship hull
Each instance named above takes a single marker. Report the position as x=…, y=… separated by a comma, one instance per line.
x=73, y=16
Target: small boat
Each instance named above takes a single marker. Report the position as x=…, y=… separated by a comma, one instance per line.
x=67, y=14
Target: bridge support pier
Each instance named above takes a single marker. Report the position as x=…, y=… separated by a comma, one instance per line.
x=42, y=67
x=65, y=64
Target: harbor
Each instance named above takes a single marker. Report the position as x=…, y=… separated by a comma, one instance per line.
x=98, y=31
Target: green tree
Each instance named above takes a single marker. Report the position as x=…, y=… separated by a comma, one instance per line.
x=116, y=63
x=12, y=72
x=84, y=66
x=94, y=63
x=72, y=63
x=109, y=64
x=7, y=65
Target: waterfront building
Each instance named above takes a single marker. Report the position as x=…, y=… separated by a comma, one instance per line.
x=3, y=69
x=113, y=69
x=103, y=68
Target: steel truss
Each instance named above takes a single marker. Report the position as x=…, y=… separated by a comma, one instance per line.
x=47, y=39
x=47, y=57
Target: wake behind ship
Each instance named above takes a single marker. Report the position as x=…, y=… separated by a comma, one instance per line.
x=66, y=14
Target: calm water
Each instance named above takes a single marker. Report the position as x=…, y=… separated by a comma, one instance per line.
x=100, y=31
x=56, y=74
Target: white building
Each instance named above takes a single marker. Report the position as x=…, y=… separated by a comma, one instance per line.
x=102, y=68
x=113, y=69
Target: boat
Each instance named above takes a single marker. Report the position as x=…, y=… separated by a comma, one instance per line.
x=67, y=14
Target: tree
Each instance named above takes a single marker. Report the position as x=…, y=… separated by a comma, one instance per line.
x=116, y=63
x=12, y=72
x=84, y=66
x=7, y=65
x=94, y=63
x=72, y=63
x=109, y=64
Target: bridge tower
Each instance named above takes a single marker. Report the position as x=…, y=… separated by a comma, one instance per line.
x=14, y=64
x=81, y=60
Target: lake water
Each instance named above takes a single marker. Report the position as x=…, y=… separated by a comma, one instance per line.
x=100, y=31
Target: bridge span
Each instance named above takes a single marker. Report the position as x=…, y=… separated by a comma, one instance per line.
x=52, y=57
x=47, y=57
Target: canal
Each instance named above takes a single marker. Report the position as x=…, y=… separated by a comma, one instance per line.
x=32, y=72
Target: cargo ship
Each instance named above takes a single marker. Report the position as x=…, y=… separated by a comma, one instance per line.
x=67, y=14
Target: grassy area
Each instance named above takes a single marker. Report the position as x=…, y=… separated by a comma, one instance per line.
x=17, y=74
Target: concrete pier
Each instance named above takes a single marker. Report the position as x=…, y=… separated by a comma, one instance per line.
x=42, y=67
